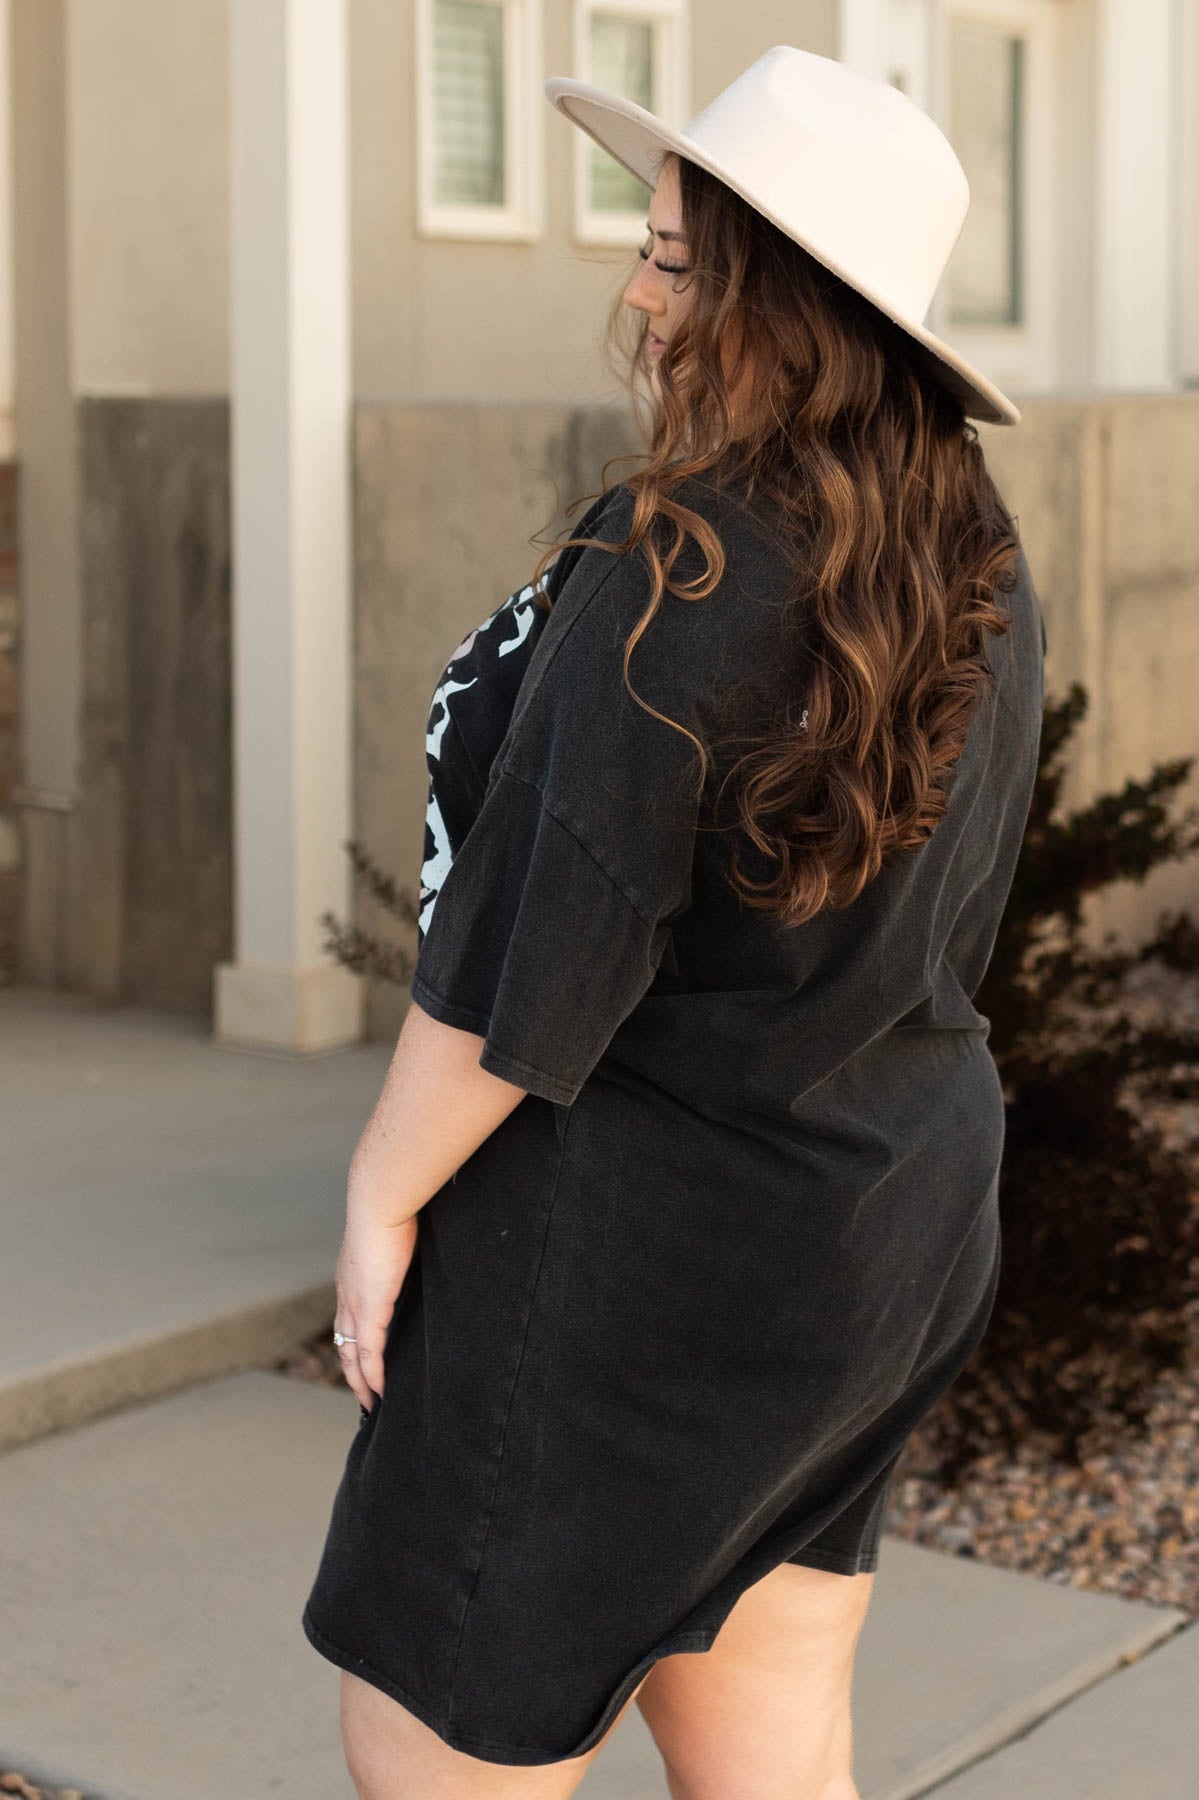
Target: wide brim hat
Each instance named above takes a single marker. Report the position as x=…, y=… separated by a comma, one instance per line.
x=845, y=164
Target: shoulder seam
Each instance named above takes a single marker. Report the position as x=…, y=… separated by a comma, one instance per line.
x=524, y=698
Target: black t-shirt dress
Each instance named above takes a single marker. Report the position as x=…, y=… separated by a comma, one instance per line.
x=674, y=1321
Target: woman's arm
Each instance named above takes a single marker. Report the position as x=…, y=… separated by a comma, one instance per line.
x=437, y=1106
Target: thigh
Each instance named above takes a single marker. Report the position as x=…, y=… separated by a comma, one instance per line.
x=393, y=1755
x=766, y=1711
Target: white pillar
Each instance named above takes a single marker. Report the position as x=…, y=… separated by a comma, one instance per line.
x=7, y=295
x=1187, y=207
x=290, y=392
x=864, y=36
x=897, y=41
x=1136, y=250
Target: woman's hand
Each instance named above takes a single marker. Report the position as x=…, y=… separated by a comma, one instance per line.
x=374, y=1259
x=437, y=1106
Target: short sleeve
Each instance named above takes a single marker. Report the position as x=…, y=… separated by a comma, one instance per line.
x=554, y=914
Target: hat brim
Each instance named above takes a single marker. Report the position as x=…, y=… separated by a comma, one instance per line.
x=639, y=141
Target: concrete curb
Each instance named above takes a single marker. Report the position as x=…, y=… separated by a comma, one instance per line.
x=61, y=1395
x=1010, y=1727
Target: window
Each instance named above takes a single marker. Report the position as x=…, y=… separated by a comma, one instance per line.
x=478, y=65
x=640, y=49
x=997, y=83
x=986, y=100
x=1078, y=263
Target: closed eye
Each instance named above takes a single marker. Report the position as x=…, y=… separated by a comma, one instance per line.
x=666, y=268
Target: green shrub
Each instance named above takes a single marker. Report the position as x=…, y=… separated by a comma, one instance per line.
x=1099, y=1286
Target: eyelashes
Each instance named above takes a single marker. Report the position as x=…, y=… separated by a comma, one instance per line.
x=666, y=268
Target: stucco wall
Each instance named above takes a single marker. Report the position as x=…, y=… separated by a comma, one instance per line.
x=149, y=183
x=1104, y=492
x=148, y=177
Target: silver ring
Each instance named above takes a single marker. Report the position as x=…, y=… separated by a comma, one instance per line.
x=338, y=1339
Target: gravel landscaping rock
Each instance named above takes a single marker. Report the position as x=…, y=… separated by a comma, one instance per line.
x=1126, y=1522
x=13, y=1783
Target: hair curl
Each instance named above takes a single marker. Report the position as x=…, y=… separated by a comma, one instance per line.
x=870, y=469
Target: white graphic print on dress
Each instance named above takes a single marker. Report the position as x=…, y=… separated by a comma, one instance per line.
x=503, y=631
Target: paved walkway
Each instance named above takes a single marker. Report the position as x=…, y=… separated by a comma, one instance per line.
x=171, y=1215
x=171, y=1209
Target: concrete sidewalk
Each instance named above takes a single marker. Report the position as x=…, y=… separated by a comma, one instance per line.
x=159, y=1551
x=172, y=1209
x=150, y=1623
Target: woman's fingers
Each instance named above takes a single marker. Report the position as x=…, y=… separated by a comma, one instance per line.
x=350, y=1365
x=371, y=1339
x=371, y=1268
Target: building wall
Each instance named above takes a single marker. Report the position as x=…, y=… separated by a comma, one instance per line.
x=120, y=213
x=51, y=643
x=7, y=347
x=10, y=841
x=149, y=173
x=1104, y=495
x=149, y=184
x=152, y=831
x=148, y=177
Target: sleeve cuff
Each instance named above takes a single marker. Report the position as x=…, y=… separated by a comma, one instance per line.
x=496, y=1061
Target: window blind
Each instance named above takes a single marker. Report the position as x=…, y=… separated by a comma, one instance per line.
x=468, y=103
x=621, y=52
x=985, y=278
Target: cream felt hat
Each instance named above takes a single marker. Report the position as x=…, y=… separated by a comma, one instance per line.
x=845, y=164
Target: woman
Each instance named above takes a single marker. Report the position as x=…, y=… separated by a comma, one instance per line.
x=679, y=1208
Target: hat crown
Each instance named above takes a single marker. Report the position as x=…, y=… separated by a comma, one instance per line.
x=869, y=181
x=846, y=165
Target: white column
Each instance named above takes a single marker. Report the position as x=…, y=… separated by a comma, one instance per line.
x=893, y=40
x=290, y=391
x=864, y=36
x=1187, y=190
x=1135, y=194
x=7, y=296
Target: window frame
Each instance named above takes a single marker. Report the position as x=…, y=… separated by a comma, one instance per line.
x=906, y=42
x=671, y=20
x=521, y=219
x=1019, y=356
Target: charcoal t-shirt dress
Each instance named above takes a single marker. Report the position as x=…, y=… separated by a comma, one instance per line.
x=673, y=1322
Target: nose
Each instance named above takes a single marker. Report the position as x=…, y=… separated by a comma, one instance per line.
x=642, y=292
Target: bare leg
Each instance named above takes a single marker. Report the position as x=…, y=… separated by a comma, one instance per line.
x=765, y=1714
x=393, y=1755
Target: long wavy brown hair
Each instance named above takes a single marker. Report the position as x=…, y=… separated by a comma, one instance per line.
x=872, y=472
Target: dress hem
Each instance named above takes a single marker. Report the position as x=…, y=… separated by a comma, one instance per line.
x=697, y=1641
x=834, y=1564
x=555, y=1088
x=486, y=1749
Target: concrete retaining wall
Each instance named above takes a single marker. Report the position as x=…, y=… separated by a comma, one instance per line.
x=449, y=498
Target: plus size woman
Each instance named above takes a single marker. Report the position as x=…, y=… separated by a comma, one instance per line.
x=679, y=1208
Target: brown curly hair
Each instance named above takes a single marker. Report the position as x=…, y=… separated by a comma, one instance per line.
x=873, y=473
